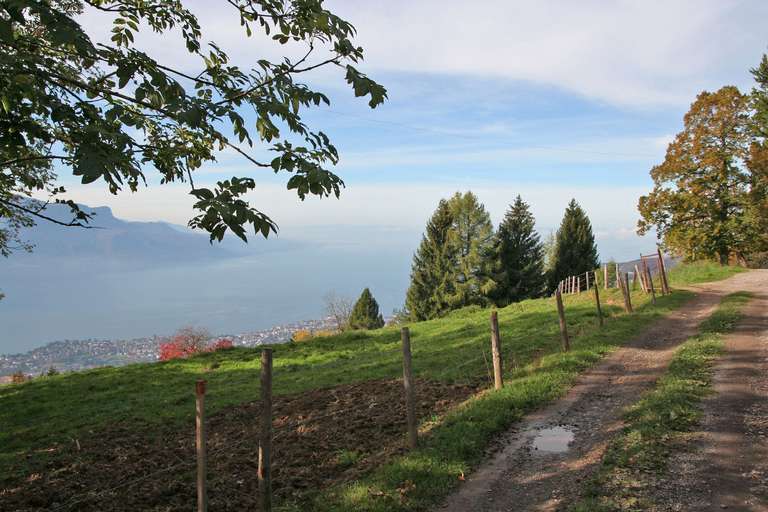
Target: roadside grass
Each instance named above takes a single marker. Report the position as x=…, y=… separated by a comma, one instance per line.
x=38, y=414
x=658, y=423
x=701, y=272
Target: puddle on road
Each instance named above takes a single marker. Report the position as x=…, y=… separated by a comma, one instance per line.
x=553, y=440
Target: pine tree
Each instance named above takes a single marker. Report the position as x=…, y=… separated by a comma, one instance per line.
x=575, y=249
x=433, y=270
x=473, y=237
x=520, y=257
x=365, y=313
x=757, y=163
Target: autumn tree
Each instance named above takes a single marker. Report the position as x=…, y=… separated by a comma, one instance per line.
x=111, y=113
x=700, y=202
x=519, y=256
x=433, y=269
x=575, y=250
x=365, y=313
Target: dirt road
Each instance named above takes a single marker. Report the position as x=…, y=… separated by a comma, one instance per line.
x=549, y=454
x=725, y=466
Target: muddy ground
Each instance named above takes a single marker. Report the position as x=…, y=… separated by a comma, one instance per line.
x=318, y=436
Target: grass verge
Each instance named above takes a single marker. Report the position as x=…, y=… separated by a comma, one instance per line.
x=658, y=423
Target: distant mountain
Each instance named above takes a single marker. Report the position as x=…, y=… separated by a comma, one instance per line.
x=115, y=240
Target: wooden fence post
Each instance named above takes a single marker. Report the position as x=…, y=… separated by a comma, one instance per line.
x=639, y=276
x=563, y=326
x=410, y=391
x=649, y=282
x=586, y=277
x=663, y=272
x=498, y=380
x=618, y=278
x=578, y=284
x=605, y=276
x=200, y=446
x=597, y=302
x=265, y=434
x=627, y=294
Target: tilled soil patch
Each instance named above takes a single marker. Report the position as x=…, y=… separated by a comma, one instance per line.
x=320, y=437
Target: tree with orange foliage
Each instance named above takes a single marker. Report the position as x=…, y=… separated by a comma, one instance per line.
x=700, y=204
x=186, y=342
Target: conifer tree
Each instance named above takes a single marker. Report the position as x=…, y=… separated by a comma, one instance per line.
x=758, y=166
x=575, y=249
x=520, y=257
x=365, y=313
x=433, y=270
x=473, y=236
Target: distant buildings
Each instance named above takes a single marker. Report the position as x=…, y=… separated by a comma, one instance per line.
x=73, y=355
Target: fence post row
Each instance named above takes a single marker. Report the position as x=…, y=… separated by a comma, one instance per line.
x=663, y=271
x=410, y=391
x=649, y=280
x=563, y=326
x=498, y=380
x=265, y=436
x=200, y=446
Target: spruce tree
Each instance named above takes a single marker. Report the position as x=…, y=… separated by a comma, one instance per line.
x=473, y=237
x=433, y=270
x=520, y=257
x=365, y=313
x=575, y=249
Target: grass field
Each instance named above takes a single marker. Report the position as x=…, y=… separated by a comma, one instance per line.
x=51, y=409
x=657, y=422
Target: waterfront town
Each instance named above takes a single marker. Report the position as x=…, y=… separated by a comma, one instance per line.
x=74, y=355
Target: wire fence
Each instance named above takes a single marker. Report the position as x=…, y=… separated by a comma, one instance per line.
x=486, y=365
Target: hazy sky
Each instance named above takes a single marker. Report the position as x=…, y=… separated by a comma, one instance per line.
x=549, y=99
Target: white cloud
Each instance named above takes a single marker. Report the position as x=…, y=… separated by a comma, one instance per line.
x=623, y=52
x=628, y=52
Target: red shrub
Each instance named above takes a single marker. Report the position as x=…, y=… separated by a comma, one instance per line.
x=188, y=342
x=222, y=344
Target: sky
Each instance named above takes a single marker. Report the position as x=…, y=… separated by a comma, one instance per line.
x=552, y=100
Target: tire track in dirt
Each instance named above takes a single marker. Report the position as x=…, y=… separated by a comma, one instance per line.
x=520, y=477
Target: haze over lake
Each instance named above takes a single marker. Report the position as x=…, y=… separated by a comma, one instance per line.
x=138, y=279
x=120, y=290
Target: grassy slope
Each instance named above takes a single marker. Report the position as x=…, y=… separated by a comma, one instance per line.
x=47, y=410
x=661, y=418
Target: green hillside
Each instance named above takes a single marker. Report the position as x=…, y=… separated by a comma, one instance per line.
x=454, y=349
